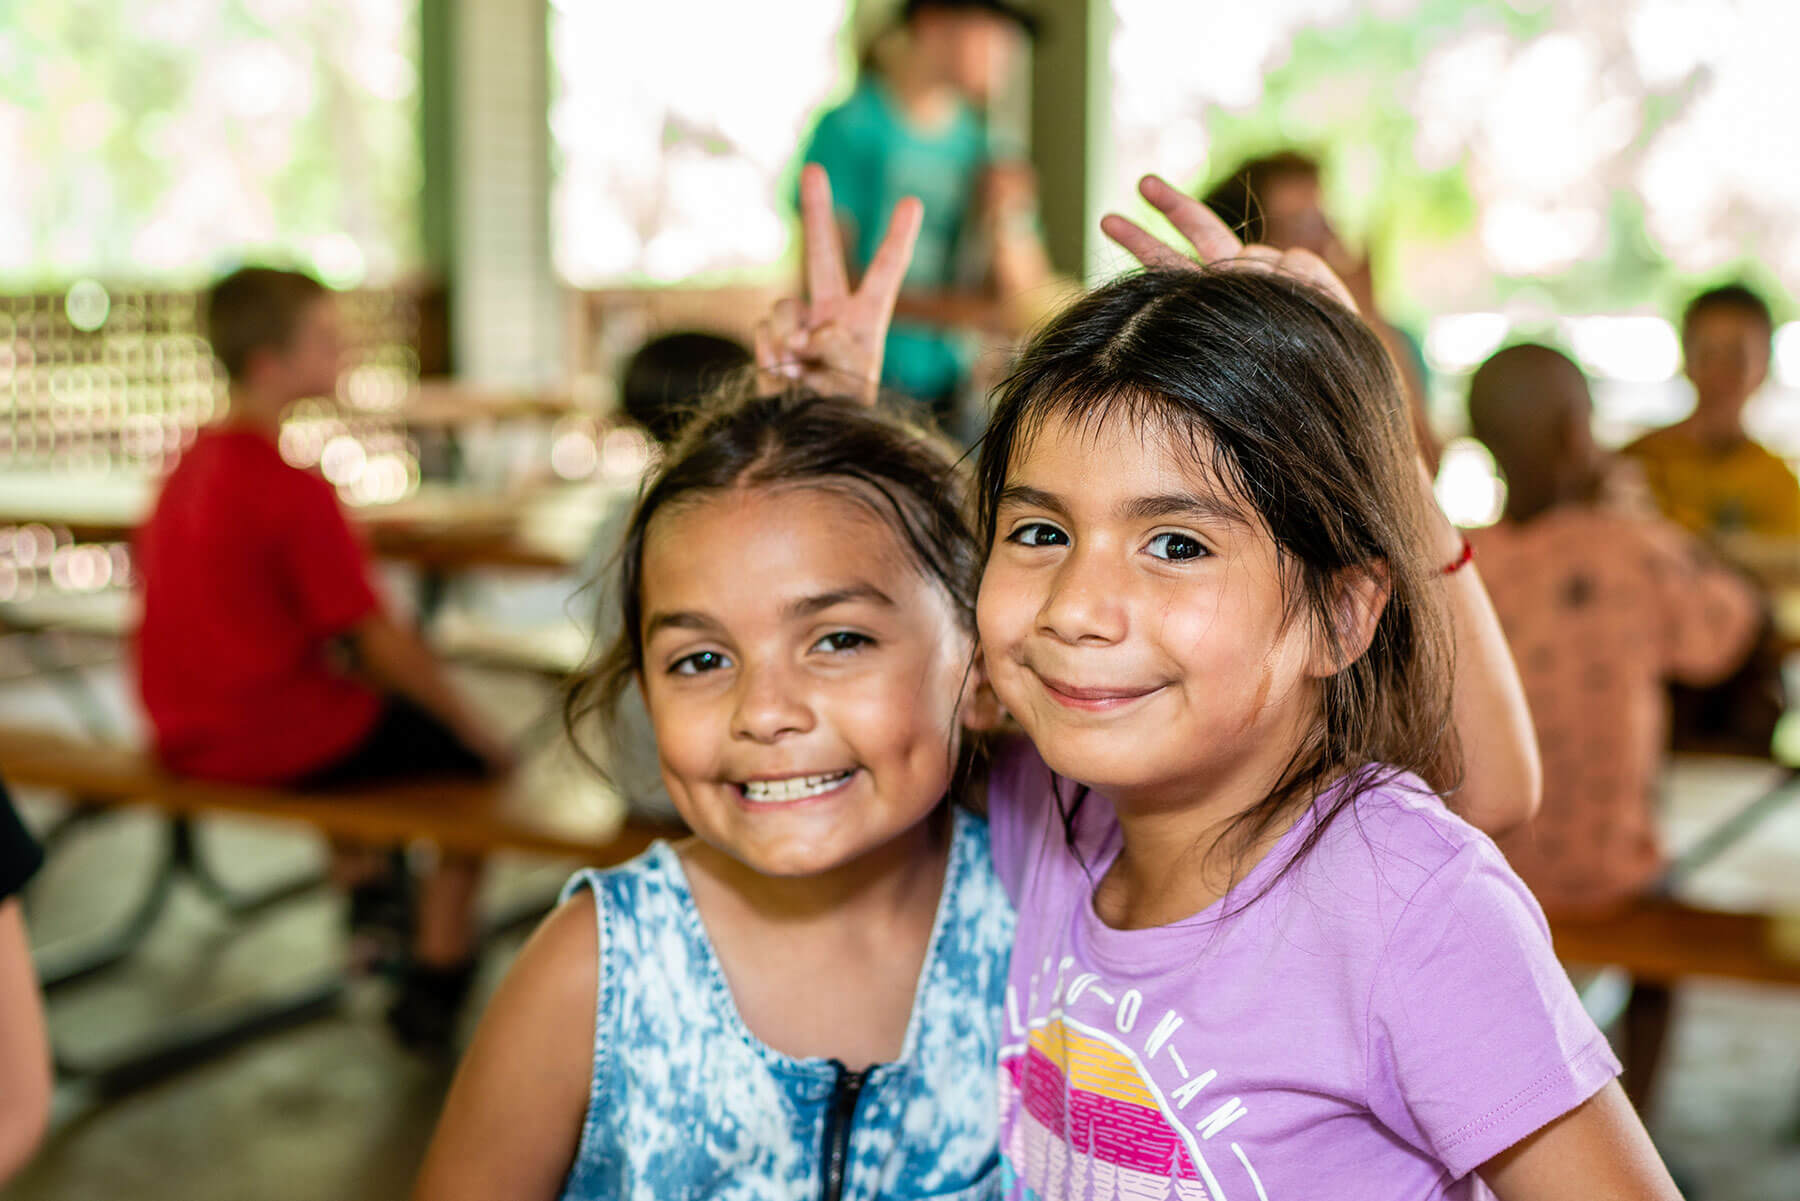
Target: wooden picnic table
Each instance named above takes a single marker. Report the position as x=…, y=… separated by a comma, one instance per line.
x=450, y=404
x=437, y=527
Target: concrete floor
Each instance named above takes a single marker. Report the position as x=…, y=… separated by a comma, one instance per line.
x=333, y=1109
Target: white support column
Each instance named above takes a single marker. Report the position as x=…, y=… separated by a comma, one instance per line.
x=507, y=305
x=1071, y=92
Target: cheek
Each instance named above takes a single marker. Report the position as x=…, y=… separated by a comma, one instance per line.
x=906, y=717
x=1001, y=606
x=688, y=732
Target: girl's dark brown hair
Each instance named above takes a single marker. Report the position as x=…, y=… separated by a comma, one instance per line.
x=798, y=438
x=1285, y=398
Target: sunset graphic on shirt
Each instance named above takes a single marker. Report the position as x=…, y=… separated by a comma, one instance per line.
x=1089, y=1124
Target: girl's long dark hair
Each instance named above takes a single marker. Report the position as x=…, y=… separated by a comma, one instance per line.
x=795, y=439
x=1285, y=398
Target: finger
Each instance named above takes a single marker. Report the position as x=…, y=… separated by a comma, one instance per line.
x=1256, y=252
x=826, y=279
x=880, y=286
x=765, y=346
x=835, y=348
x=1311, y=268
x=1144, y=246
x=1211, y=238
x=786, y=318
x=842, y=363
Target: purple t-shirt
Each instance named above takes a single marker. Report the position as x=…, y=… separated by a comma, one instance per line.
x=1387, y=1018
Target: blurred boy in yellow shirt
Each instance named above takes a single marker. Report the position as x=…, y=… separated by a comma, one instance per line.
x=1708, y=475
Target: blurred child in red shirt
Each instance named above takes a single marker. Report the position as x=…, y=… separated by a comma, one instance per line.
x=265, y=655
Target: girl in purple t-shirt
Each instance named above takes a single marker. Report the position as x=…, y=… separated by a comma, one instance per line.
x=1257, y=958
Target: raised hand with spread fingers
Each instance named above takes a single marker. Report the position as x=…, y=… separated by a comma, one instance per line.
x=1212, y=240
x=833, y=340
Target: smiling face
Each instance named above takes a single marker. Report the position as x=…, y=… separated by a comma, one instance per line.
x=1134, y=622
x=803, y=676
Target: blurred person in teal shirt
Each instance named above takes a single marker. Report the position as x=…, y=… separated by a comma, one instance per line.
x=915, y=125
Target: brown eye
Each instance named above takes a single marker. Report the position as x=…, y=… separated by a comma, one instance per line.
x=1038, y=533
x=1177, y=548
x=698, y=663
x=843, y=640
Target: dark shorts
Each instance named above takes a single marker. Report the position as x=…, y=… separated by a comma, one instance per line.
x=405, y=742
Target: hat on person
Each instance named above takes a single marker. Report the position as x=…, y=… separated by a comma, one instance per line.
x=1027, y=20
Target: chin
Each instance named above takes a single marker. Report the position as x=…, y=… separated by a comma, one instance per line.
x=1107, y=771
x=794, y=861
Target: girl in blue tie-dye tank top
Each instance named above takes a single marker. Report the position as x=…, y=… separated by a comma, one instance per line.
x=803, y=998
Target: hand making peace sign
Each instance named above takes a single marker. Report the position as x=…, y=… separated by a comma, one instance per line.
x=833, y=341
x=1212, y=241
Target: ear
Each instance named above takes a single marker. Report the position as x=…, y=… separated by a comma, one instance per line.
x=1362, y=594
x=981, y=709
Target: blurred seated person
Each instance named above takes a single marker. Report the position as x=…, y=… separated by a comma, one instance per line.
x=25, y=1076
x=915, y=125
x=1277, y=200
x=662, y=381
x=1708, y=475
x=1601, y=608
x=265, y=655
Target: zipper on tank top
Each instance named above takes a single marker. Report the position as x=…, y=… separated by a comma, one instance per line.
x=840, y=1115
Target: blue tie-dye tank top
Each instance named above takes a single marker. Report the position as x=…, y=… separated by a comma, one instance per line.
x=685, y=1102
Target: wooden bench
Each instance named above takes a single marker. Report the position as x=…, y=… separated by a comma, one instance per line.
x=471, y=816
x=1667, y=941
x=467, y=816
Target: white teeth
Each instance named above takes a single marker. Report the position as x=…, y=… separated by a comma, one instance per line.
x=795, y=788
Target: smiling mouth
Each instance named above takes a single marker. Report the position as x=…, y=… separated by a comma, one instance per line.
x=794, y=788
x=1094, y=700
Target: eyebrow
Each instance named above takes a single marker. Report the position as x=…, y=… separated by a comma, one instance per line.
x=685, y=619
x=1140, y=508
x=810, y=606
x=800, y=608
x=1182, y=504
x=1024, y=496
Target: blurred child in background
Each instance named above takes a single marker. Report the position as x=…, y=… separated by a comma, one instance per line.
x=1710, y=477
x=663, y=383
x=1602, y=608
x=1278, y=200
x=266, y=656
x=1708, y=474
x=916, y=124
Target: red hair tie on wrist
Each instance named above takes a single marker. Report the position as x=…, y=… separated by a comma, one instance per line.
x=1462, y=560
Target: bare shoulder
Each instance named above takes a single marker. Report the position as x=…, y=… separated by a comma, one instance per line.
x=513, y=1120
x=559, y=965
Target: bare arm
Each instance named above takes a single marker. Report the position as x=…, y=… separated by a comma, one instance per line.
x=394, y=658
x=25, y=1081
x=1503, y=775
x=512, y=1123
x=1598, y=1151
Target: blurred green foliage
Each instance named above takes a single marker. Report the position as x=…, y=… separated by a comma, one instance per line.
x=165, y=139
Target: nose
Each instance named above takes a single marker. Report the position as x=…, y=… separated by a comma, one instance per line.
x=769, y=705
x=1085, y=605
